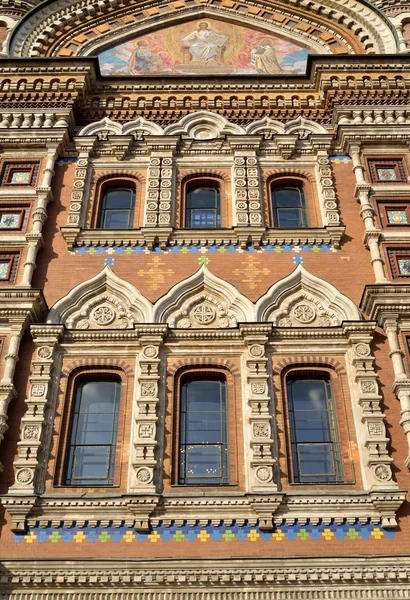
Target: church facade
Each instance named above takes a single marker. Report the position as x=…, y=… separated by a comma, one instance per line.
x=204, y=300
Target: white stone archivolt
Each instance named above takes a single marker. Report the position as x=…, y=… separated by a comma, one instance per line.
x=203, y=300
x=296, y=126
x=203, y=125
x=302, y=299
x=102, y=128
x=105, y=301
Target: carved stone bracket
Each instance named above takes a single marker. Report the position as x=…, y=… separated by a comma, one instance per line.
x=372, y=430
x=259, y=401
x=144, y=434
x=28, y=464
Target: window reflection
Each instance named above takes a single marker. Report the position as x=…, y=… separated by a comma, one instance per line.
x=91, y=452
x=203, y=207
x=315, y=450
x=117, y=210
x=203, y=433
x=288, y=205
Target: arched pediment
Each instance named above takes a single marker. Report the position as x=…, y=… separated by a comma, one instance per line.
x=101, y=128
x=304, y=126
x=203, y=125
x=265, y=124
x=203, y=301
x=141, y=126
x=105, y=301
x=302, y=299
x=37, y=34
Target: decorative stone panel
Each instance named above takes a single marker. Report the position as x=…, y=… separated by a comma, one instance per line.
x=372, y=431
x=144, y=430
x=327, y=189
x=246, y=189
x=261, y=477
x=29, y=466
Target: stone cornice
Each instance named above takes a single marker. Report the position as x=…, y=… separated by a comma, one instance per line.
x=22, y=304
x=378, y=301
x=375, y=577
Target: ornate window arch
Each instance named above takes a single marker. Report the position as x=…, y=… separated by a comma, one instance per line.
x=291, y=201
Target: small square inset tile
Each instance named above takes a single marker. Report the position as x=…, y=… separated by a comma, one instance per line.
x=397, y=217
x=11, y=219
x=20, y=177
x=404, y=266
x=5, y=266
x=17, y=174
x=386, y=174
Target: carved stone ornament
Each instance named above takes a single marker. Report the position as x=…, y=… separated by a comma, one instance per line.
x=44, y=352
x=382, y=472
x=362, y=349
x=256, y=351
x=203, y=314
x=24, y=476
x=304, y=313
x=368, y=387
x=103, y=315
x=261, y=430
x=38, y=390
x=264, y=474
x=150, y=351
x=144, y=475
x=31, y=432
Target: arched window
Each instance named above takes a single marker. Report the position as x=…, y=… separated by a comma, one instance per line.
x=117, y=207
x=203, y=205
x=93, y=436
x=289, y=206
x=313, y=431
x=203, y=452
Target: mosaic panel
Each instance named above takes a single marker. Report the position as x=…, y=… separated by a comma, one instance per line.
x=204, y=47
x=8, y=266
x=19, y=174
x=387, y=171
x=404, y=266
x=11, y=219
x=204, y=534
x=5, y=266
x=397, y=217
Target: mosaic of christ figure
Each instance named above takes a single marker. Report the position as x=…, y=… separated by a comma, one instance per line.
x=205, y=44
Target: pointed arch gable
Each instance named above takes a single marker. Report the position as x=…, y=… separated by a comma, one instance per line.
x=203, y=300
x=203, y=124
x=302, y=299
x=105, y=300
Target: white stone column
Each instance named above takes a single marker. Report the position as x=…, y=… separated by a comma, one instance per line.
x=34, y=237
x=401, y=386
x=372, y=235
x=7, y=391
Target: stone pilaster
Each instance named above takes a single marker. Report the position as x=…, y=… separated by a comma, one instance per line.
x=144, y=430
x=261, y=460
x=372, y=431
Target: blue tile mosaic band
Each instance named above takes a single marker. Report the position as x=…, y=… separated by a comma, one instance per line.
x=206, y=533
x=205, y=252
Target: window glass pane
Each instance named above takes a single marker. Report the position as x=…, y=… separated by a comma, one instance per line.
x=203, y=207
x=289, y=217
x=116, y=219
x=117, y=209
x=91, y=463
x=91, y=450
x=287, y=197
x=203, y=433
x=203, y=198
x=315, y=449
x=288, y=205
x=120, y=198
x=316, y=460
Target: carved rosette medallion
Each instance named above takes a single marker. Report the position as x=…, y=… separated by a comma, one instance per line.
x=103, y=315
x=204, y=314
x=304, y=313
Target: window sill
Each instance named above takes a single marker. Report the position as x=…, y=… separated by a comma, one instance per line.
x=167, y=237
